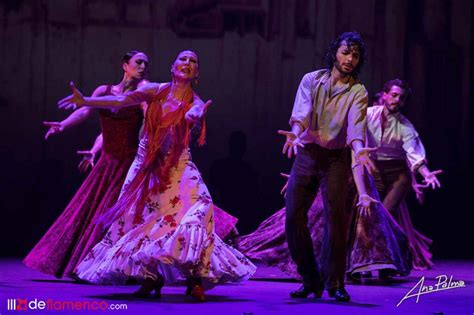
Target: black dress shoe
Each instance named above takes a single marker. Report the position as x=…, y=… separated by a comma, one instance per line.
x=189, y=286
x=340, y=294
x=305, y=291
x=386, y=274
x=355, y=277
x=148, y=286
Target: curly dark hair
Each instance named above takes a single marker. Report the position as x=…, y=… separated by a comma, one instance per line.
x=352, y=39
x=400, y=83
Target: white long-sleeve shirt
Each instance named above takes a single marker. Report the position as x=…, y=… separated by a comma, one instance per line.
x=399, y=140
x=331, y=119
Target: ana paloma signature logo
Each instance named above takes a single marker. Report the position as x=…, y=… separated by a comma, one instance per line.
x=443, y=284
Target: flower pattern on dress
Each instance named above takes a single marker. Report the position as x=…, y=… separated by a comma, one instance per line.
x=89, y=256
x=192, y=166
x=199, y=214
x=175, y=201
x=182, y=242
x=181, y=235
x=169, y=220
x=121, y=224
x=203, y=197
x=107, y=238
x=197, y=178
x=143, y=240
x=152, y=206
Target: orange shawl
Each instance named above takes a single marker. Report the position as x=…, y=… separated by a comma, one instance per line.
x=164, y=122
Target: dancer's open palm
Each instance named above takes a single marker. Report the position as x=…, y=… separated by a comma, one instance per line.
x=291, y=144
x=72, y=101
x=87, y=161
x=364, y=204
x=55, y=127
x=363, y=158
x=195, y=114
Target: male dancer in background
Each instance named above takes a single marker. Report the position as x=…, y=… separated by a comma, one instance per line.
x=399, y=148
x=399, y=155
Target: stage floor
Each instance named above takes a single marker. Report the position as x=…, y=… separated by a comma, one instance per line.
x=266, y=293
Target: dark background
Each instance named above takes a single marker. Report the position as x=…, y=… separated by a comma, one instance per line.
x=253, y=54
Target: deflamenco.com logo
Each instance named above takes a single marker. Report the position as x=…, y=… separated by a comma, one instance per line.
x=18, y=304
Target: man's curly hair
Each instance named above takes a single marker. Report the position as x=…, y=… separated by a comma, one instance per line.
x=352, y=39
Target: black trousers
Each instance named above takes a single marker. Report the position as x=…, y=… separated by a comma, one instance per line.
x=316, y=167
x=392, y=181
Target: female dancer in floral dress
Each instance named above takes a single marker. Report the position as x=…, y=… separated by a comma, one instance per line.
x=163, y=228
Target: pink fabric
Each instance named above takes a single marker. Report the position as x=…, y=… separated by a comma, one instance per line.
x=224, y=222
x=374, y=240
x=74, y=233
x=175, y=236
x=418, y=243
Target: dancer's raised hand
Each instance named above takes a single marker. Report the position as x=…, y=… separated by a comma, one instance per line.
x=197, y=112
x=362, y=157
x=431, y=180
x=291, y=144
x=55, y=127
x=88, y=158
x=72, y=101
x=364, y=204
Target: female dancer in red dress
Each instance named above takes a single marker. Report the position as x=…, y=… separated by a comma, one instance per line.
x=74, y=233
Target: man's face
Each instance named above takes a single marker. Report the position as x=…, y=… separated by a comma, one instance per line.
x=394, y=99
x=347, y=58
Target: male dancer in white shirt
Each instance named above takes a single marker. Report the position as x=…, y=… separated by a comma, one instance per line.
x=400, y=150
x=328, y=120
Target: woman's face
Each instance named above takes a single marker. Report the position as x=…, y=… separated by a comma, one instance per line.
x=185, y=66
x=136, y=67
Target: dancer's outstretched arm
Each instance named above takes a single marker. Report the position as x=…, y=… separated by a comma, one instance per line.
x=76, y=118
x=197, y=111
x=364, y=199
x=430, y=178
x=143, y=94
x=293, y=140
x=362, y=155
x=88, y=159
